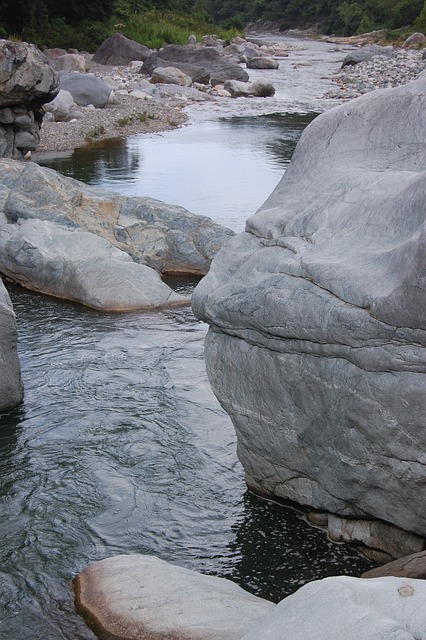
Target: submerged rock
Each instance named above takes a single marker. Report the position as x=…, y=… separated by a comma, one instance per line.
x=317, y=346
x=11, y=389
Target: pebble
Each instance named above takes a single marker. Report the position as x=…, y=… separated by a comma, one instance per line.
x=379, y=73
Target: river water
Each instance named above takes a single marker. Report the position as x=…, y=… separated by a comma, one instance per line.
x=120, y=445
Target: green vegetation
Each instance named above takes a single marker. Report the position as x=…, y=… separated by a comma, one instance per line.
x=84, y=25
x=95, y=133
x=140, y=117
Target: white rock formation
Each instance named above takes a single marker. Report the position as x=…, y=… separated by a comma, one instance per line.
x=318, y=316
x=137, y=596
x=350, y=609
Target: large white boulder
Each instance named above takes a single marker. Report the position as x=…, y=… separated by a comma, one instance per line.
x=318, y=316
x=343, y=608
x=136, y=596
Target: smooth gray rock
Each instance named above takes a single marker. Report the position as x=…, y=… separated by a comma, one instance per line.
x=80, y=266
x=258, y=89
x=349, y=608
x=136, y=596
x=85, y=88
x=61, y=107
x=170, y=75
x=118, y=50
x=317, y=346
x=364, y=54
x=11, y=388
x=262, y=63
x=165, y=237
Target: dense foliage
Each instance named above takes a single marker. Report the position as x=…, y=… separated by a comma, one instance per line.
x=84, y=25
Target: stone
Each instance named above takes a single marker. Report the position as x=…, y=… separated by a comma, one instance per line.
x=118, y=50
x=137, y=596
x=258, y=88
x=69, y=62
x=349, y=608
x=262, y=63
x=208, y=59
x=76, y=265
x=11, y=388
x=364, y=54
x=85, y=88
x=374, y=534
x=26, y=83
x=61, y=107
x=317, y=312
x=412, y=566
x=165, y=237
x=415, y=38
x=170, y=75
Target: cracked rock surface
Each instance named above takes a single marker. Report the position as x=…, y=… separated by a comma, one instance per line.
x=318, y=317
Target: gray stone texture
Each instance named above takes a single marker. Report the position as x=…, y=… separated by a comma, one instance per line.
x=11, y=389
x=207, y=59
x=85, y=88
x=118, y=50
x=26, y=83
x=318, y=318
x=66, y=239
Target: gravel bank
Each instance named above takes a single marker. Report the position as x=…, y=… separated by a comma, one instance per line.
x=379, y=73
x=127, y=117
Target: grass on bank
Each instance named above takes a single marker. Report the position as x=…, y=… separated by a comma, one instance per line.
x=153, y=28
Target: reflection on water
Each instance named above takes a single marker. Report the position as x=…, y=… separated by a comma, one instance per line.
x=224, y=169
x=120, y=447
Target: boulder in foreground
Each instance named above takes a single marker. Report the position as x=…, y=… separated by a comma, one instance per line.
x=317, y=347
x=136, y=596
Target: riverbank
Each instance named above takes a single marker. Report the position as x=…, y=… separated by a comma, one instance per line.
x=129, y=115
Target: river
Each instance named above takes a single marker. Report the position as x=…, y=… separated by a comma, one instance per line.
x=120, y=445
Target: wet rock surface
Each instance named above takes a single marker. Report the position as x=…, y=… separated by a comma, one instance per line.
x=11, y=389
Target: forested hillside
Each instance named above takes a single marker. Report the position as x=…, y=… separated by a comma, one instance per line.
x=82, y=24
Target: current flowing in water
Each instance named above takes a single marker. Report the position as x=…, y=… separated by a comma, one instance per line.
x=120, y=445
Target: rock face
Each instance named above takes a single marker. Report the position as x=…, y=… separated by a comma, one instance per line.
x=136, y=596
x=26, y=83
x=11, y=389
x=119, y=50
x=317, y=345
x=62, y=237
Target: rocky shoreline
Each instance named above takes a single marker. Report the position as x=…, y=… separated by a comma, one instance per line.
x=129, y=115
